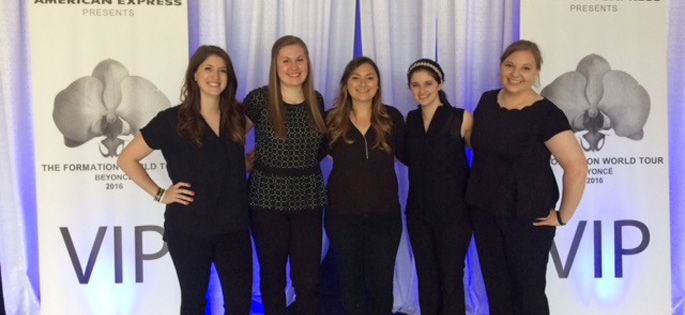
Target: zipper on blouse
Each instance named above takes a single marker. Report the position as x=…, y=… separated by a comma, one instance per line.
x=366, y=147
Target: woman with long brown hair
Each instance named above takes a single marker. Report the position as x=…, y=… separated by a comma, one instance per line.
x=286, y=189
x=206, y=219
x=363, y=220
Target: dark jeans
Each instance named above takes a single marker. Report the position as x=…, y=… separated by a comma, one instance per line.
x=280, y=235
x=231, y=254
x=513, y=256
x=439, y=254
x=365, y=248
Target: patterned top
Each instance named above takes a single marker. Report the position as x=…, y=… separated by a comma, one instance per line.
x=286, y=175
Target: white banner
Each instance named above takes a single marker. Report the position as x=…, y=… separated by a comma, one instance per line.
x=101, y=70
x=605, y=67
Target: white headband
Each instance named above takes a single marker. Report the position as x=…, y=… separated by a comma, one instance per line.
x=426, y=64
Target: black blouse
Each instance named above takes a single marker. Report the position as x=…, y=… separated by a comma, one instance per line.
x=511, y=173
x=363, y=178
x=287, y=175
x=216, y=172
x=438, y=167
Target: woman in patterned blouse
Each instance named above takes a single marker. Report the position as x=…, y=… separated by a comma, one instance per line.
x=286, y=189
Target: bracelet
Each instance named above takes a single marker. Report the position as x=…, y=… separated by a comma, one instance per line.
x=561, y=222
x=160, y=194
x=162, y=197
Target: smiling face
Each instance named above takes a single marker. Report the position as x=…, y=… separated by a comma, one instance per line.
x=425, y=88
x=362, y=85
x=211, y=76
x=291, y=64
x=518, y=72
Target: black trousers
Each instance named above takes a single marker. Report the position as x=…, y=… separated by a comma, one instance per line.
x=232, y=256
x=2, y=299
x=439, y=254
x=365, y=248
x=280, y=235
x=513, y=256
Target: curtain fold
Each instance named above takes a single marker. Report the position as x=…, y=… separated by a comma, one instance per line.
x=676, y=130
x=18, y=226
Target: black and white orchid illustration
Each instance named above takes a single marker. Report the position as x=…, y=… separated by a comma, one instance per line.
x=596, y=98
x=109, y=103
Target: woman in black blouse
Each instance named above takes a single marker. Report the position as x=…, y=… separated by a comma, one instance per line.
x=363, y=220
x=437, y=215
x=206, y=207
x=512, y=187
x=286, y=189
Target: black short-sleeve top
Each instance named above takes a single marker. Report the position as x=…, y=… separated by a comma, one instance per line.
x=438, y=167
x=363, y=178
x=287, y=175
x=215, y=171
x=511, y=174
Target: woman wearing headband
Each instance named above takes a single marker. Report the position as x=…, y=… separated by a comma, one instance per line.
x=437, y=215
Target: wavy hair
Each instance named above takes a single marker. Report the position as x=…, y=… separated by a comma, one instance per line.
x=338, y=119
x=275, y=98
x=190, y=121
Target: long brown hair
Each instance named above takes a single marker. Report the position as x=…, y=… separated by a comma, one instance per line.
x=338, y=119
x=190, y=124
x=276, y=111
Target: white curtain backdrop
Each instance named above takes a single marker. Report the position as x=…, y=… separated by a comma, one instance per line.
x=466, y=36
x=18, y=226
x=248, y=29
x=676, y=130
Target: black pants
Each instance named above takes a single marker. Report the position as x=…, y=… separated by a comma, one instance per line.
x=439, y=253
x=513, y=256
x=232, y=256
x=2, y=299
x=280, y=235
x=365, y=248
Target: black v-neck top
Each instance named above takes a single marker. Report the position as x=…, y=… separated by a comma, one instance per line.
x=438, y=167
x=216, y=172
x=363, y=178
x=511, y=173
